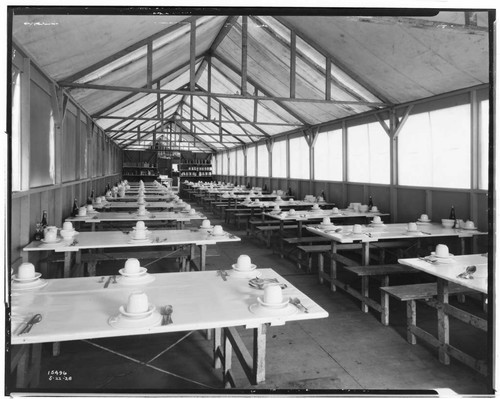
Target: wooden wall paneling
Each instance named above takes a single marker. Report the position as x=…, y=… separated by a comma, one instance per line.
x=381, y=196
x=16, y=227
x=354, y=193
x=411, y=204
x=443, y=200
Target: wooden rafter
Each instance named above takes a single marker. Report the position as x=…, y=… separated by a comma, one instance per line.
x=128, y=50
x=337, y=62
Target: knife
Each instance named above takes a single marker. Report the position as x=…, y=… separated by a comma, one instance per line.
x=107, y=282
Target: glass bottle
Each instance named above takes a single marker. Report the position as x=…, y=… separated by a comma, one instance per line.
x=370, y=203
x=452, y=213
x=44, y=223
x=322, y=195
x=289, y=192
x=74, y=212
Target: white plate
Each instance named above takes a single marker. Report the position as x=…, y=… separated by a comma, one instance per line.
x=27, y=280
x=377, y=223
x=259, y=310
x=218, y=235
x=443, y=260
x=273, y=305
x=143, y=279
x=327, y=225
x=252, y=268
x=82, y=217
x=16, y=286
x=149, y=312
x=237, y=274
x=424, y=221
x=123, y=322
x=141, y=241
x=469, y=228
x=141, y=272
x=441, y=257
x=206, y=228
x=51, y=242
x=413, y=233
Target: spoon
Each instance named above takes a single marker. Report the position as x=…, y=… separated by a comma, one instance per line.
x=296, y=302
x=168, y=311
x=35, y=319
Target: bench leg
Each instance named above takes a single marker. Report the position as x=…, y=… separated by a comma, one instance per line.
x=333, y=268
x=321, y=268
x=443, y=321
x=320, y=262
x=411, y=321
x=364, y=292
x=384, y=302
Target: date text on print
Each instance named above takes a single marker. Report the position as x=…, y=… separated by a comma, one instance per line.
x=59, y=375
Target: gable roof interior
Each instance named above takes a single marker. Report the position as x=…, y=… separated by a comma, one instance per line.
x=214, y=82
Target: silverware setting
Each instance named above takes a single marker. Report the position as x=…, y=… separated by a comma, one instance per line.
x=34, y=320
x=427, y=259
x=261, y=283
x=74, y=243
x=223, y=274
x=101, y=280
x=469, y=271
x=166, y=312
x=298, y=304
x=107, y=282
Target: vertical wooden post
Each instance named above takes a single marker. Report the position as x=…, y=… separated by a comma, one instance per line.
x=25, y=124
x=244, y=53
x=255, y=106
x=209, y=86
x=192, y=52
x=149, y=65
x=328, y=79
x=443, y=321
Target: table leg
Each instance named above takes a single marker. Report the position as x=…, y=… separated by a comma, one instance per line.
x=333, y=267
x=365, y=254
x=259, y=353
x=282, y=224
x=228, y=355
x=203, y=256
x=67, y=264
x=300, y=229
x=217, y=340
x=443, y=321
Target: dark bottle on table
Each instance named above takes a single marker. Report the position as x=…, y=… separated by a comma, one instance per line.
x=44, y=223
x=90, y=200
x=289, y=192
x=38, y=232
x=452, y=213
x=370, y=203
x=265, y=188
x=74, y=212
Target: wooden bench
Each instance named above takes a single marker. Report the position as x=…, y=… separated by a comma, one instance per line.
x=379, y=271
x=410, y=294
x=267, y=231
x=253, y=223
x=310, y=250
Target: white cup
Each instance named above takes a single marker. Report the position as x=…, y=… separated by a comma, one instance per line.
x=315, y=207
x=140, y=234
x=278, y=198
x=326, y=221
x=98, y=200
x=291, y=200
x=276, y=208
x=192, y=211
x=363, y=208
x=469, y=224
x=244, y=262
x=424, y=217
x=141, y=201
x=90, y=207
x=187, y=207
x=50, y=235
x=67, y=226
x=132, y=266
x=273, y=294
x=142, y=209
x=356, y=229
x=137, y=302
x=377, y=219
x=335, y=210
x=140, y=225
x=205, y=223
x=374, y=208
x=26, y=270
x=291, y=212
x=217, y=230
x=412, y=226
x=442, y=251
x=82, y=211
x=257, y=200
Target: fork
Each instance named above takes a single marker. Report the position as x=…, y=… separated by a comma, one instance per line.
x=223, y=274
x=166, y=312
x=297, y=303
x=427, y=260
x=468, y=272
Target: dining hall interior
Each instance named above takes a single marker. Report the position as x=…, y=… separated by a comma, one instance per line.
x=225, y=201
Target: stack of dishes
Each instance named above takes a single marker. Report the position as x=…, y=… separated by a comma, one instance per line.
x=27, y=279
x=377, y=222
x=243, y=268
x=137, y=313
x=140, y=234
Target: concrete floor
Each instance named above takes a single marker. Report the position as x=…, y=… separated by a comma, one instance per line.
x=350, y=350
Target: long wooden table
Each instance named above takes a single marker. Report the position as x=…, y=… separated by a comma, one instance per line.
x=200, y=301
x=112, y=217
x=446, y=274
x=102, y=240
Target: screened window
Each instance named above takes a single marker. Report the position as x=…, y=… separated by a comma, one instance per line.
x=16, y=129
x=69, y=145
x=483, y=144
x=434, y=149
x=42, y=136
x=240, y=163
x=232, y=163
x=299, y=158
x=328, y=156
x=251, y=161
x=262, y=161
x=83, y=149
x=368, y=153
x=279, y=159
